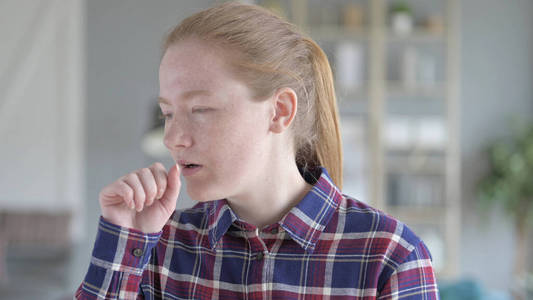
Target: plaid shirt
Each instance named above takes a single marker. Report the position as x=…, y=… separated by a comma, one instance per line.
x=329, y=246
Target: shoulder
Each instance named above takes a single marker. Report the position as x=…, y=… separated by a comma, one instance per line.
x=388, y=236
x=399, y=261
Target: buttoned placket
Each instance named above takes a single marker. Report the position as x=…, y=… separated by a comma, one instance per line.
x=261, y=254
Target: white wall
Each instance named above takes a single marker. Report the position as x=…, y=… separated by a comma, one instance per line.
x=42, y=98
x=497, y=73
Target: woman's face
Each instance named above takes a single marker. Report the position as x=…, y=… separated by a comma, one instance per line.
x=211, y=121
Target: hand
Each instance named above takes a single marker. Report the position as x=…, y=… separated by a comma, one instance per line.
x=143, y=200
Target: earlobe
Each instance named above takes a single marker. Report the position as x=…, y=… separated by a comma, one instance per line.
x=285, y=103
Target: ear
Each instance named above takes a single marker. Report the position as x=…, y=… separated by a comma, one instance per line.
x=285, y=102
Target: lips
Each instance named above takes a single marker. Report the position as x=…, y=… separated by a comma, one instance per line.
x=188, y=168
x=184, y=164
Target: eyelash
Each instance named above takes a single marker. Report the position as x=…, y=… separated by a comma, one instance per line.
x=162, y=116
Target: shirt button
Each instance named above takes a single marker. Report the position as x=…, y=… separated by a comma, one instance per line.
x=274, y=231
x=137, y=252
x=260, y=256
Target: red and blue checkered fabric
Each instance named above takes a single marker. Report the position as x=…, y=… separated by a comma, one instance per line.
x=329, y=246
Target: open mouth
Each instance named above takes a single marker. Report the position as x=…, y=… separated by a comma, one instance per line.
x=188, y=167
x=191, y=166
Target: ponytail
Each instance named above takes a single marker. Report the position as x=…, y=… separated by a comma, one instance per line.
x=328, y=147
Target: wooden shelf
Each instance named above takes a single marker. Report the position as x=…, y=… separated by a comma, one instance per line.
x=397, y=88
x=349, y=107
x=419, y=35
x=336, y=33
x=416, y=164
x=378, y=97
x=418, y=215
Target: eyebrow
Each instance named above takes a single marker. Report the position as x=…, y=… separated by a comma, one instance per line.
x=187, y=95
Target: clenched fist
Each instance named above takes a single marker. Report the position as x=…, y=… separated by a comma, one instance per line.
x=143, y=199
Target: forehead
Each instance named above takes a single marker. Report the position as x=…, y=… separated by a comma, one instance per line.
x=192, y=63
x=195, y=68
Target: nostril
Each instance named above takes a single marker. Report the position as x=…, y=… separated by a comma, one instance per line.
x=176, y=137
x=178, y=142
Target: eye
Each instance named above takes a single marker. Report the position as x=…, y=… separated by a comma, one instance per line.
x=163, y=116
x=201, y=109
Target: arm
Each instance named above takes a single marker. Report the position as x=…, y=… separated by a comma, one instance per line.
x=413, y=279
x=119, y=258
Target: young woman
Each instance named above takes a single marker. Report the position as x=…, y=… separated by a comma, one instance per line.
x=251, y=120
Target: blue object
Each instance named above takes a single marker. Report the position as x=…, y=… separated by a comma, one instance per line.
x=469, y=289
x=466, y=289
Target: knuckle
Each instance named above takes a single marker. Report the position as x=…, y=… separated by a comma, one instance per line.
x=129, y=193
x=158, y=165
x=152, y=191
x=140, y=194
x=130, y=176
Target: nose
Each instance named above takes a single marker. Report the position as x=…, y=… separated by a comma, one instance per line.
x=177, y=135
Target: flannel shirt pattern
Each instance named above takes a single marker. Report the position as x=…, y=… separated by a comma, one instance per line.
x=329, y=246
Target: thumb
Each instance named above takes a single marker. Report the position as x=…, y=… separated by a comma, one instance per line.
x=173, y=188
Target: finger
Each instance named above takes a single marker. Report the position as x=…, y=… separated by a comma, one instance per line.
x=134, y=182
x=124, y=190
x=121, y=189
x=150, y=187
x=173, y=188
x=160, y=174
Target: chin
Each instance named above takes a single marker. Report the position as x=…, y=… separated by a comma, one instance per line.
x=201, y=196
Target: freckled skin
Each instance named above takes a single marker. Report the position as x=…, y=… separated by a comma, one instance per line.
x=231, y=140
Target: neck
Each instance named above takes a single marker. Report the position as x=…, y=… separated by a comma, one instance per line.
x=272, y=197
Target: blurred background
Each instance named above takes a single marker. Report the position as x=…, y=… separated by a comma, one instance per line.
x=436, y=103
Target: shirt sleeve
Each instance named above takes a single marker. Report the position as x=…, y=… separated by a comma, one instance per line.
x=413, y=279
x=119, y=258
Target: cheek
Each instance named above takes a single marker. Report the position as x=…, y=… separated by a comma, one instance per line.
x=232, y=148
x=231, y=158
x=237, y=143
x=233, y=145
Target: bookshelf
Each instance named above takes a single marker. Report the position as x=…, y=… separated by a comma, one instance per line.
x=398, y=92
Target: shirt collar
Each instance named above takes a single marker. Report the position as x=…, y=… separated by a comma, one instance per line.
x=303, y=223
x=309, y=217
x=219, y=220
